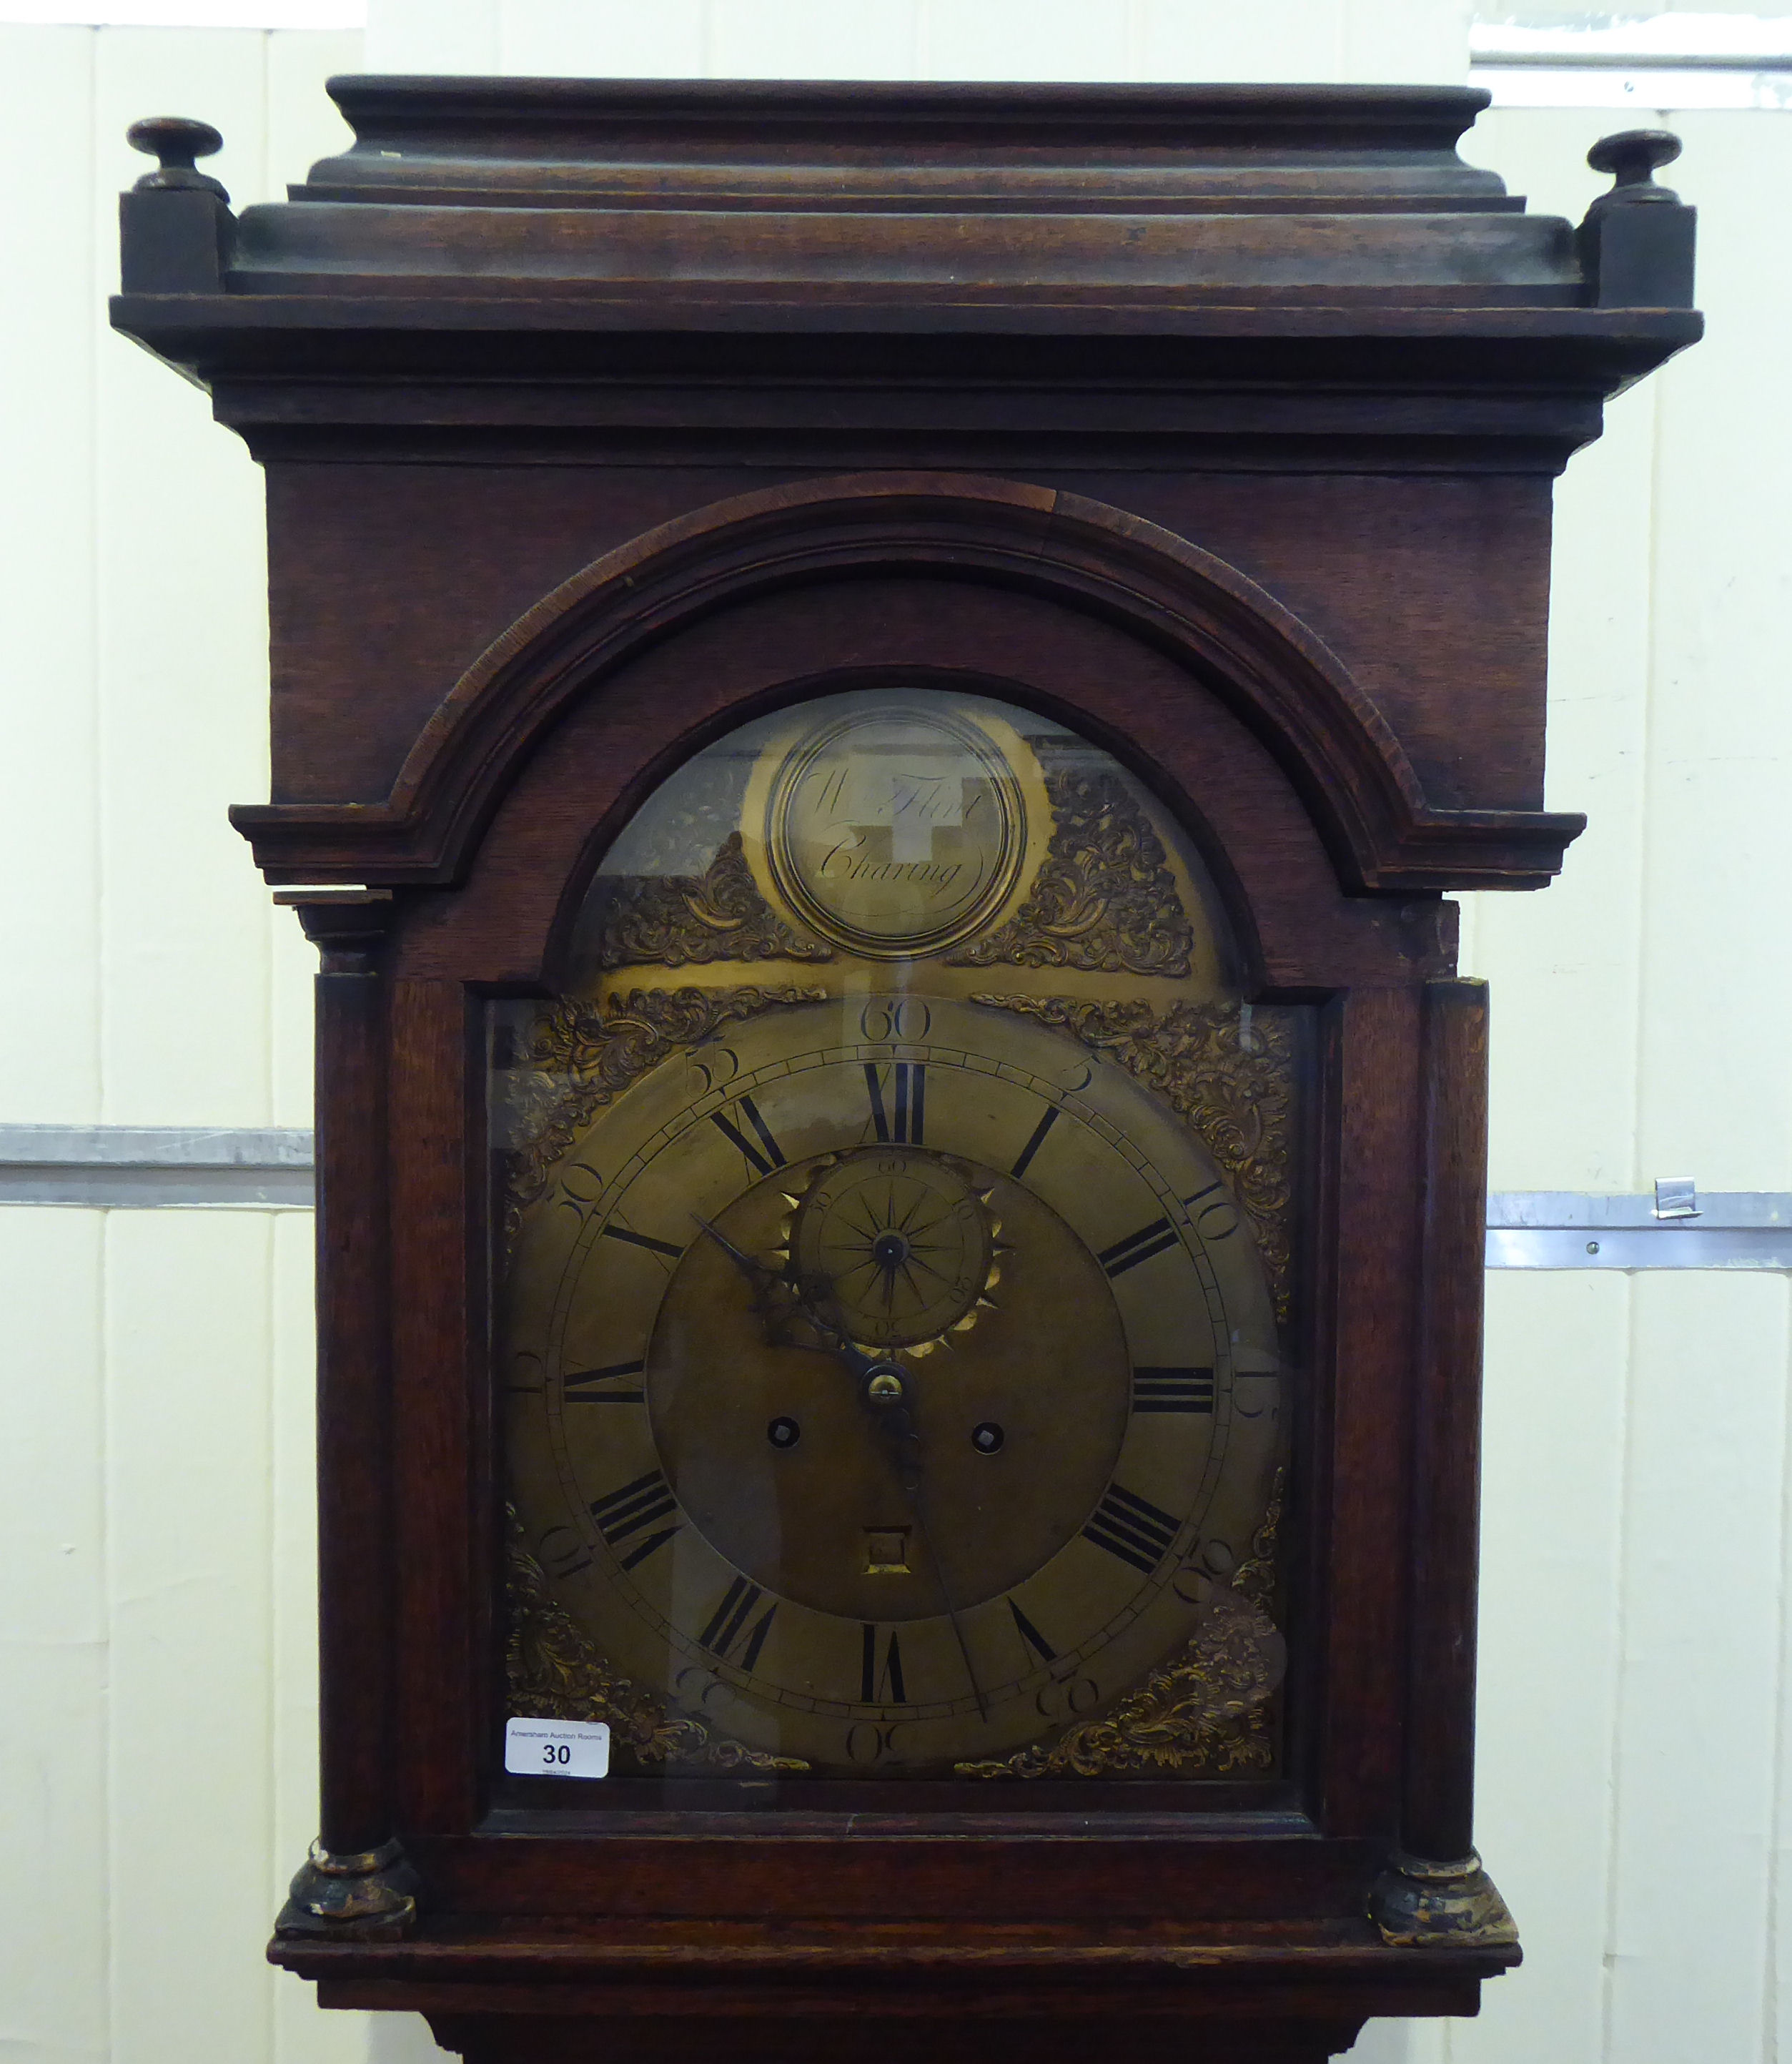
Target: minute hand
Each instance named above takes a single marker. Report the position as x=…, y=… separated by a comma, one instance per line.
x=908, y=1473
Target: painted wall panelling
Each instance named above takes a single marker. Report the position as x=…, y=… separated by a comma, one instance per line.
x=1693, y=1762
x=182, y=624
x=54, y=1999
x=1703, y=1694
x=182, y=634
x=48, y=825
x=1565, y=969
x=1553, y=1463
x=187, y=1570
x=157, y=1750
x=1418, y=40
x=1637, y=1015
x=1717, y=989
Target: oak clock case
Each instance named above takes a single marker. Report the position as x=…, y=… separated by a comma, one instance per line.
x=1071, y=1651
x=894, y=1241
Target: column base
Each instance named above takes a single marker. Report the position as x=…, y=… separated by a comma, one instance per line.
x=369, y=1895
x=1419, y=1905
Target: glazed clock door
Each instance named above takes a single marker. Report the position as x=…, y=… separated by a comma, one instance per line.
x=895, y=1273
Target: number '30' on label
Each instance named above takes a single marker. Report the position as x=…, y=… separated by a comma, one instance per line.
x=557, y=1748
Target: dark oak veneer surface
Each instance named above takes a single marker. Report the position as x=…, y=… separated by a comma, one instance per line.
x=1217, y=422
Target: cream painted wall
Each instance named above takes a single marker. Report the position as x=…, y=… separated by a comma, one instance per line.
x=1315, y=39
x=156, y=1763
x=158, y=1775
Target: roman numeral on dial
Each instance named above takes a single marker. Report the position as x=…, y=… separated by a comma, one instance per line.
x=1034, y=1145
x=762, y=1152
x=899, y=1118
x=1157, y=1238
x=880, y=1671
x=607, y=1386
x=1031, y=1635
x=1173, y=1390
x=728, y=1624
x=1133, y=1528
x=638, y=1508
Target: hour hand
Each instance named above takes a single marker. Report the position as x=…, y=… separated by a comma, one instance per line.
x=772, y=1298
x=817, y=1303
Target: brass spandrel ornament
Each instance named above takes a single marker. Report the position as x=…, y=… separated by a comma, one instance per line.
x=1104, y=897
x=1207, y=1711
x=894, y=1361
x=689, y=921
x=1228, y=1072
x=555, y=1673
x=564, y=1060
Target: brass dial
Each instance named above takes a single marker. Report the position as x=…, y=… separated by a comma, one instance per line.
x=821, y=1514
x=751, y=1484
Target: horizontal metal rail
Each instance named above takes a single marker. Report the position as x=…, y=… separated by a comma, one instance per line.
x=133, y=1167
x=1568, y=1229
x=1678, y=63
x=1630, y=60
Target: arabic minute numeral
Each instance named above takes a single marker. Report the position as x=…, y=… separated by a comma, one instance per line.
x=866, y=1742
x=1068, y=1699
x=582, y=1182
x=885, y=1019
x=1218, y=1217
x=1132, y=1528
x=563, y=1554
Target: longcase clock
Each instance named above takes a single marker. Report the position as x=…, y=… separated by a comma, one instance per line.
x=876, y=690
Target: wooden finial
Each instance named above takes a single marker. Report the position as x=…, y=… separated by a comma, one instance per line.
x=175, y=142
x=1632, y=156
x=1636, y=244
